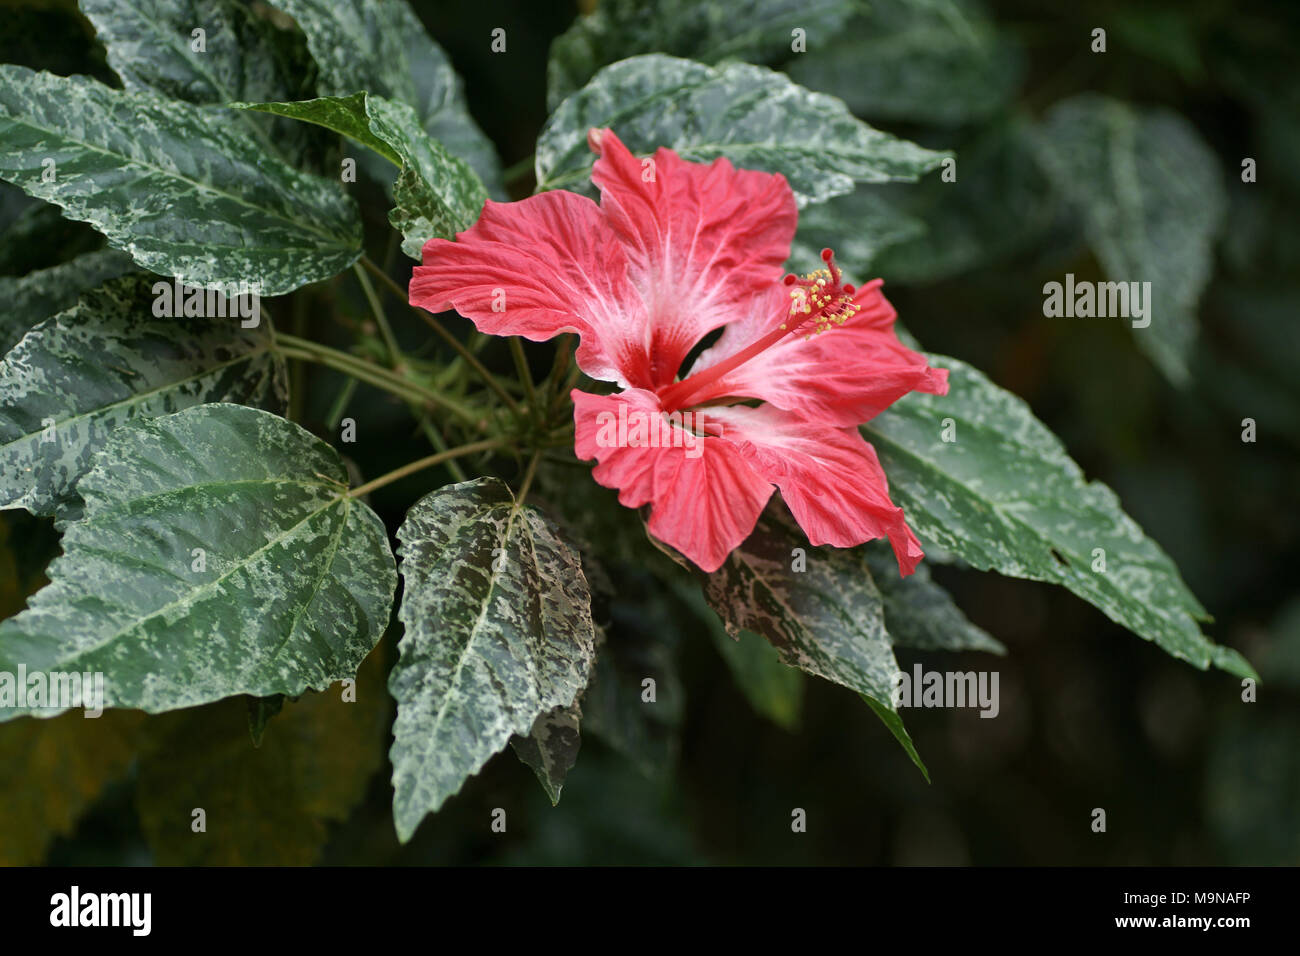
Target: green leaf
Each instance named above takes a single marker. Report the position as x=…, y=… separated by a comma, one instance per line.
x=551, y=748
x=380, y=47
x=244, y=57
x=54, y=771
x=827, y=620
x=173, y=184
x=498, y=633
x=436, y=194
x=859, y=226
x=754, y=116
x=890, y=718
x=291, y=589
x=342, y=114
x=259, y=711
x=79, y=375
x=1000, y=205
x=703, y=30
x=918, y=612
x=772, y=688
x=1151, y=196
x=1004, y=495
x=264, y=805
x=40, y=294
x=925, y=61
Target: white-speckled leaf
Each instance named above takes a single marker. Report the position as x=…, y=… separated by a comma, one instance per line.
x=923, y=61
x=245, y=57
x=498, y=632
x=827, y=620
x=342, y=114
x=294, y=587
x=551, y=749
x=436, y=194
x=920, y=613
x=1151, y=195
x=754, y=116
x=858, y=226
x=38, y=295
x=703, y=30
x=104, y=362
x=381, y=47
x=1006, y=496
x=1000, y=205
x=175, y=185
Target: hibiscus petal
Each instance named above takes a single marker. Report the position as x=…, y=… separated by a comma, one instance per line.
x=539, y=267
x=841, y=377
x=700, y=240
x=705, y=497
x=830, y=478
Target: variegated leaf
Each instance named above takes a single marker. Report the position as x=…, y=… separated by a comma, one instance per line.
x=38, y=295
x=773, y=688
x=1003, y=494
x=858, y=226
x=107, y=360
x=220, y=553
x=381, y=47
x=702, y=30
x=940, y=62
x=754, y=116
x=244, y=56
x=1150, y=192
x=436, y=194
x=827, y=619
x=1000, y=206
x=920, y=613
x=551, y=748
x=498, y=633
x=173, y=184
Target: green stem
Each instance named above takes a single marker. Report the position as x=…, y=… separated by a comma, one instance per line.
x=440, y=443
x=293, y=347
x=377, y=309
x=340, y=404
x=569, y=384
x=361, y=374
x=455, y=343
x=524, y=373
x=560, y=365
x=528, y=480
x=412, y=467
x=398, y=361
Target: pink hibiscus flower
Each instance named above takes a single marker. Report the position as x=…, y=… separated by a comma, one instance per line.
x=674, y=251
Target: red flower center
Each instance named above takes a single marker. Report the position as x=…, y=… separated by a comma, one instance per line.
x=819, y=301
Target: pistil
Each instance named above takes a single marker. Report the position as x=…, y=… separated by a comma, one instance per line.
x=820, y=300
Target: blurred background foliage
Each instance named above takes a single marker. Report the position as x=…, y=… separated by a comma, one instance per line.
x=1090, y=716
